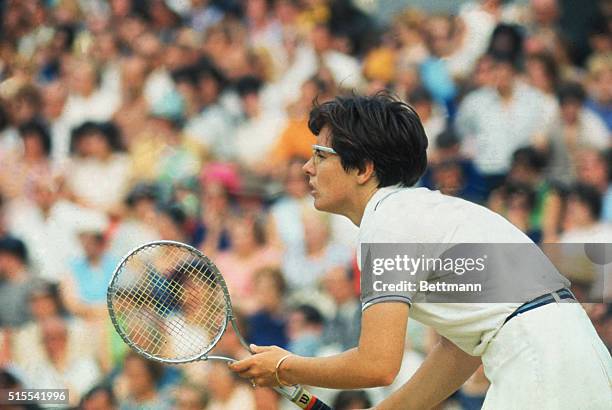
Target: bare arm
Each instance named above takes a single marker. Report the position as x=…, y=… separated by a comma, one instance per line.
x=375, y=362
x=444, y=370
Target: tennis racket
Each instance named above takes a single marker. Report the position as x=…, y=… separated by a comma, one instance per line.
x=170, y=304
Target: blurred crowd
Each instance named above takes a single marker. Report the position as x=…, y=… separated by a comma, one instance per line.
x=126, y=121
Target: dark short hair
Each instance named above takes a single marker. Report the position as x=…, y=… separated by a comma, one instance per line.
x=447, y=139
x=15, y=247
x=589, y=196
x=381, y=129
x=571, y=92
x=40, y=130
x=311, y=314
x=530, y=157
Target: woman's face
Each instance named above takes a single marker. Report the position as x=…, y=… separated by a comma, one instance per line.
x=94, y=145
x=139, y=379
x=33, y=146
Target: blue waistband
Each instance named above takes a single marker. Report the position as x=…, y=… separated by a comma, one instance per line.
x=556, y=296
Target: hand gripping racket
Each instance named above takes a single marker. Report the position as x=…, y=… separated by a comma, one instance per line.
x=170, y=304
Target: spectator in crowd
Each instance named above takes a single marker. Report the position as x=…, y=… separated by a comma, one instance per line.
x=131, y=116
x=227, y=392
x=138, y=225
x=494, y=122
x=97, y=155
x=268, y=324
x=304, y=329
x=249, y=252
x=213, y=125
x=305, y=265
x=48, y=226
x=451, y=172
x=430, y=114
x=44, y=302
x=15, y=282
x=100, y=397
x=62, y=368
x=351, y=399
x=257, y=134
x=535, y=194
x=84, y=285
x=55, y=95
x=212, y=230
x=581, y=222
x=137, y=386
x=342, y=330
x=190, y=397
x=210, y=101
x=19, y=172
x=578, y=128
x=87, y=100
x=600, y=91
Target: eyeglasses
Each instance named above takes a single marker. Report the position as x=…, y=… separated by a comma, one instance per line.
x=317, y=157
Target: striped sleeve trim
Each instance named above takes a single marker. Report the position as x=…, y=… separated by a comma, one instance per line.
x=386, y=298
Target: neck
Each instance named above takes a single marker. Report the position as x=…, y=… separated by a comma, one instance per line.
x=355, y=214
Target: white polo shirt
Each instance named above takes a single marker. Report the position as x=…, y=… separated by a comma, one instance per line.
x=419, y=215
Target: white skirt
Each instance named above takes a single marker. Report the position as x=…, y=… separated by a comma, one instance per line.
x=548, y=358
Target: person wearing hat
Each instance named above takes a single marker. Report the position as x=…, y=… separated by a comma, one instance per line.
x=14, y=282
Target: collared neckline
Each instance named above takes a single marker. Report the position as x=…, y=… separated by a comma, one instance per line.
x=377, y=198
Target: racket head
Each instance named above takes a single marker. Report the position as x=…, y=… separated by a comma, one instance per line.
x=169, y=302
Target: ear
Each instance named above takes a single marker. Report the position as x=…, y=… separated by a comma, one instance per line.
x=367, y=174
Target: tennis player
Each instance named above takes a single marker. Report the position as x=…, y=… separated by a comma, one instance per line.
x=541, y=352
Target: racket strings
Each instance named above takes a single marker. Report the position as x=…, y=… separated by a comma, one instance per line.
x=168, y=301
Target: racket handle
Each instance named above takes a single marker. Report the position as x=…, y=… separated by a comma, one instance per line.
x=302, y=398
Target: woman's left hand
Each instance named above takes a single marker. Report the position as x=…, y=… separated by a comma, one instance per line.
x=260, y=368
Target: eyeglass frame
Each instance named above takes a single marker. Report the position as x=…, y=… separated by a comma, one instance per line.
x=321, y=148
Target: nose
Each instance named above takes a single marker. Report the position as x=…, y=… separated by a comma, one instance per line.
x=308, y=167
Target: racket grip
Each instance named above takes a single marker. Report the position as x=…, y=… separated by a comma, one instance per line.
x=304, y=399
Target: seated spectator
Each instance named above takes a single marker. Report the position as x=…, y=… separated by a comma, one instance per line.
x=138, y=224
x=527, y=169
x=305, y=266
x=99, y=398
x=431, y=115
x=96, y=156
x=44, y=302
x=84, y=286
x=211, y=233
x=581, y=223
x=305, y=328
x=268, y=324
x=162, y=152
x=576, y=129
x=286, y=222
x=258, y=133
x=47, y=225
x=137, y=386
x=190, y=397
x=494, y=121
x=249, y=253
x=342, y=330
x=15, y=282
x=20, y=172
x=351, y=399
x=296, y=139
x=227, y=390
x=213, y=125
x=451, y=173
x=170, y=223
x=516, y=201
x=61, y=368
x=600, y=92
